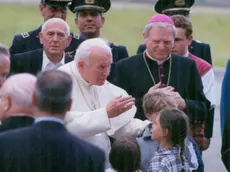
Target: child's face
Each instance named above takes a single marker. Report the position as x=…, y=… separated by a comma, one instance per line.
x=158, y=133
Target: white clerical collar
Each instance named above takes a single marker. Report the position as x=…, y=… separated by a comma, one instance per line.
x=46, y=63
x=186, y=54
x=159, y=62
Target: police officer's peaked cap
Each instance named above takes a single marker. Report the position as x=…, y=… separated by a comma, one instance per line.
x=58, y=3
x=163, y=6
x=97, y=5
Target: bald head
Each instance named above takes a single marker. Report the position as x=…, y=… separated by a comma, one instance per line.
x=18, y=89
x=4, y=63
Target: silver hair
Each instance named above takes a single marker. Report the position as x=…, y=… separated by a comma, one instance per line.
x=56, y=20
x=149, y=26
x=19, y=88
x=84, y=50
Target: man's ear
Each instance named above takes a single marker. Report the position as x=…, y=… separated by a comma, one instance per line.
x=40, y=37
x=190, y=38
x=34, y=100
x=69, y=105
x=69, y=39
x=80, y=65
x=41, y=6
x=102, y=21
x=7, y=103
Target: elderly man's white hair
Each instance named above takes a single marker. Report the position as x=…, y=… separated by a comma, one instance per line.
x=84, y=49
x=56, y=20
x=19, y=88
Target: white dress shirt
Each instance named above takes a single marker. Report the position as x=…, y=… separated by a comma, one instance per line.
x=48, y=65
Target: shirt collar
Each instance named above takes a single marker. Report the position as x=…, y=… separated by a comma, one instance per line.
x=49, y=118
x=46, y=61
x=159, y=62
x=186, y=54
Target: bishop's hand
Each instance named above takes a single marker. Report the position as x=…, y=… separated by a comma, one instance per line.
x=179, y=100
x=119, y=105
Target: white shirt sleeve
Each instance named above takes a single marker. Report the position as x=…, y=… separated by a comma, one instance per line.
x=208, y=81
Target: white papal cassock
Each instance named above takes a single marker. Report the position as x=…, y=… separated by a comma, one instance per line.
x=88, y=118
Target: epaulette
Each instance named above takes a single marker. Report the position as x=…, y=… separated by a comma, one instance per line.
x=25, y=34
x=115, y=44
x=198, y=41
x=76, y=36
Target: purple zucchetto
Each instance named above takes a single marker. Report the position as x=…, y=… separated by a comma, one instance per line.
x=161, y=18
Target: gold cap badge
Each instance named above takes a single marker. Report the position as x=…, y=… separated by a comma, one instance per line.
x=89, y=1
x=179, y=2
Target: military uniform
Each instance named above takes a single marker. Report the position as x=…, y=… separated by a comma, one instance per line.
x=29, y=41
x=182, y=7
x=119, y=51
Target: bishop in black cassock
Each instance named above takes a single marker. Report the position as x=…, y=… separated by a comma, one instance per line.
x=139, y=73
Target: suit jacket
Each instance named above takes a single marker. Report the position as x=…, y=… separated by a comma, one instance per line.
x=15, y=122
x=133, y=76
x=225, y=97
x=48, y=147
x=119, y=52
x=30, y=62
x=225, y=149
x=199, y=49
x=29, y=41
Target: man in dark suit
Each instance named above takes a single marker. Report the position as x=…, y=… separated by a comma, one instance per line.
x=158, y=68
x=29, y=41
x=16, y=102
x=47, y=145
x=182, y=7
x=55, y=37
x=90, y=19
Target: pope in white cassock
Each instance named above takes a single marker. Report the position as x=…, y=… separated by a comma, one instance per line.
x=99, y=108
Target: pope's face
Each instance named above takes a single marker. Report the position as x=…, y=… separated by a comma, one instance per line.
x=159, y=42
x=96, y=69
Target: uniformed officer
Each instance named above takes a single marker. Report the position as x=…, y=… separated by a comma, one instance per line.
x=89, y=21
x=182, y=7
x=30, y=41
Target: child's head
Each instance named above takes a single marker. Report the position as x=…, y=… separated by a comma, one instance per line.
x=156, y=101
x=125, y=155
x=171, y=126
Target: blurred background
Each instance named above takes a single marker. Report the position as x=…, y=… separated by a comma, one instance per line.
x=124, y=25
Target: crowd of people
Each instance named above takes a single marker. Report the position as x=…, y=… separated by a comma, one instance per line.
x=79, y=103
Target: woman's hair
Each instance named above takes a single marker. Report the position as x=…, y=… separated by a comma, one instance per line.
x=177, y=124
x=125, y=155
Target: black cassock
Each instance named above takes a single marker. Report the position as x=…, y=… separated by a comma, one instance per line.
x=132, y=75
